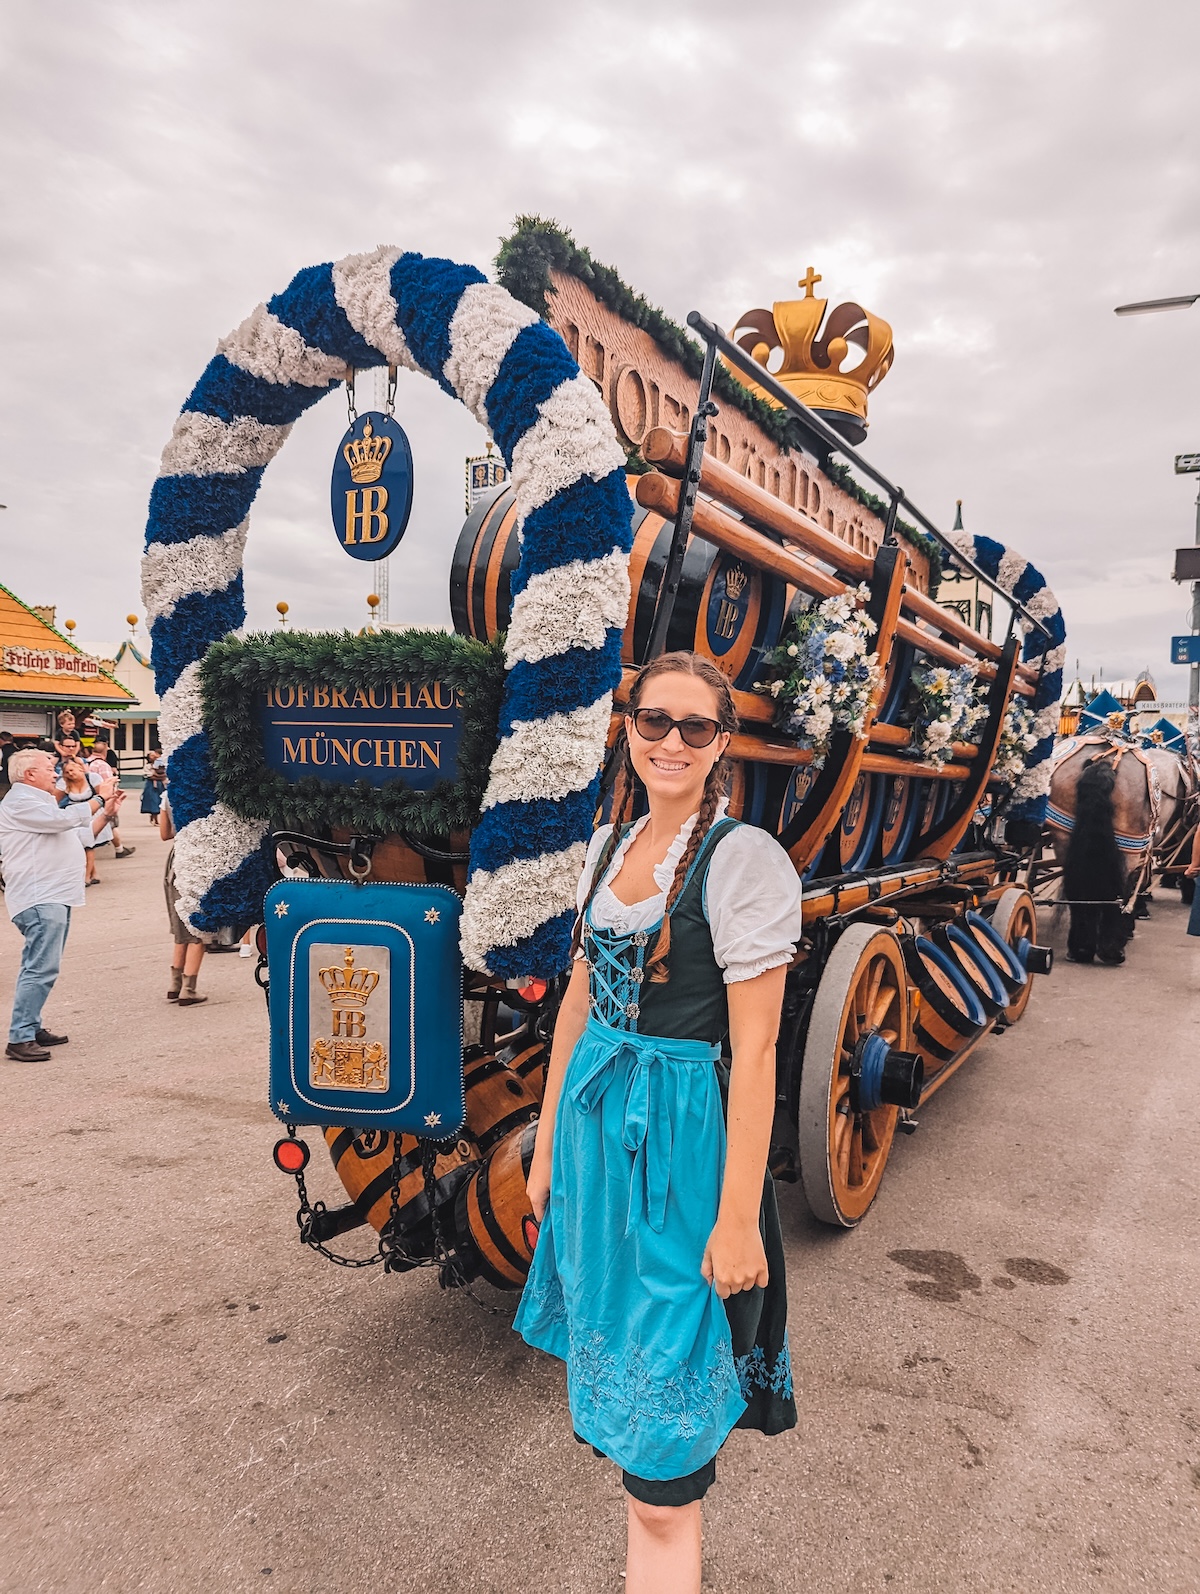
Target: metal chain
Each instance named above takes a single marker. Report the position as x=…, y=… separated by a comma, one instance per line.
x=350, y=404
x=389, y=404
x=307, y=1215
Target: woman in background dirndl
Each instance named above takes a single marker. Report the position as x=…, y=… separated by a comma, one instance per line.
x=658, y=1274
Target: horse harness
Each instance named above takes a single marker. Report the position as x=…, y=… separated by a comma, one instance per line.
x=1140, y=842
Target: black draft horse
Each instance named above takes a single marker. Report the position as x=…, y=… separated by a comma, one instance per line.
x=1094, y=872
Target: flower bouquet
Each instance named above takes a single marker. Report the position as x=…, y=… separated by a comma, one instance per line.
x=822, y=675
x=948, y=708
x=1018, y=738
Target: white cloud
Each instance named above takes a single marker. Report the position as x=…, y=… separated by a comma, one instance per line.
x=991, y=179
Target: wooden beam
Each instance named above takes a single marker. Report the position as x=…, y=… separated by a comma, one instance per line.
x=668, y=450
x=715, y=525
x=734, y=536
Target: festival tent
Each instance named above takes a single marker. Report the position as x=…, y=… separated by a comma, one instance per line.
x=1097, y=711
x=42, y=671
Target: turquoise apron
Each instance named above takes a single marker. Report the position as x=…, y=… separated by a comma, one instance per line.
x=615, y=1289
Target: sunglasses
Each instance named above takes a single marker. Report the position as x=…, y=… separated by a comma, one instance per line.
x=655, y=725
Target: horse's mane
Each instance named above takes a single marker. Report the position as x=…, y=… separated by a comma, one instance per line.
x=1094, y=869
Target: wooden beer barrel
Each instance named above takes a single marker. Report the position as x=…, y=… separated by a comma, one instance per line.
x=853, y=841
x=978, y=967
x=1008, y=965
x=950, y=1014
x=364, y=1165
x=748, y=791
x=529, y=1063
x=498, y=1099
x=726, y=610
x=901, y=812
x=490, y=1212
x=797, y=784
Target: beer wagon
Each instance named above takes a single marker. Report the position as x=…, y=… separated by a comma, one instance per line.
x=919, y=938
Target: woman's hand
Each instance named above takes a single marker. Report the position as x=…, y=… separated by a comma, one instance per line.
x=537, y=1186
x=734, y=1258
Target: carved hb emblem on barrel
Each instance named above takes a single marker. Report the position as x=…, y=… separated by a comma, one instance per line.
x=352, y=1054
x=728, y=605
x=799, y=785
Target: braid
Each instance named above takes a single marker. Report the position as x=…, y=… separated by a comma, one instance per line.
x=714, y=789
x=622, y=808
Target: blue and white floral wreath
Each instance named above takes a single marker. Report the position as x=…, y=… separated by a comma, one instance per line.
x=570, y=590
x=1023, y=581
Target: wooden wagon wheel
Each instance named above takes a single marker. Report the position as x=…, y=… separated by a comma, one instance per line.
x=1015, y=920
x=843, y=1152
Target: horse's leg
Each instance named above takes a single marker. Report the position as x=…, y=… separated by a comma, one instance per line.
x=1114, y=928
x=1081, y=937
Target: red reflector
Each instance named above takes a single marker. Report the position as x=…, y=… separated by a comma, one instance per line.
x=260, y=940
x=533, y=992
x=530, y=1226
x=291, y=1156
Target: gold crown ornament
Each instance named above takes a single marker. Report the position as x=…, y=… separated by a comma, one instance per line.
x=735, y=581
x=348, y=986
x=812, y=362
x=365, y=456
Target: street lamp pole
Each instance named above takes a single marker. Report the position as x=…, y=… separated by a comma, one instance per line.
x=1193, y=730
x=1184, y=463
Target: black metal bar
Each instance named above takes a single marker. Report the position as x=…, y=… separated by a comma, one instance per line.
x=436, y=854
x=326, y=1225
x=889, y=530
x=697, y=438
x=715, y=338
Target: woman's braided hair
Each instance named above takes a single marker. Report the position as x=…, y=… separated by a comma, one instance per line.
x=624, y=790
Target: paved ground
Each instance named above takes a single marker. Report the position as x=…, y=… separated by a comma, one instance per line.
x=998, y=1374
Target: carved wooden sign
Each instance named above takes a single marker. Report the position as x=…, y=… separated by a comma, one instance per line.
x=643, y=387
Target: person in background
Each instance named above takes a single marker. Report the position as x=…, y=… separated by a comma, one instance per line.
x=67, y=726
x=67, y=747
x=100, y=767
x=77, y=785
x=1192, y=872
x=41, y=848
x=155, y=773
x=188, y=953
x=8, y=746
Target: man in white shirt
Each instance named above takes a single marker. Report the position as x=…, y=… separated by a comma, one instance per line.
x=41, y=846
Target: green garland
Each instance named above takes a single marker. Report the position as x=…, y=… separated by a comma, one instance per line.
x=536, y=246
x=921, y=540
x=234, y=675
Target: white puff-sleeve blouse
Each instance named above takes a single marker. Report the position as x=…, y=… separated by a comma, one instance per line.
x=751, y=897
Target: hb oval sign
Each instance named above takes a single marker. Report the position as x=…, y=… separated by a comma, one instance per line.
x=370, y=495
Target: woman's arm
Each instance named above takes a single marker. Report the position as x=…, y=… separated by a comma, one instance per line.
x=734, y=1258
x=165, y=828
x=568, y=1027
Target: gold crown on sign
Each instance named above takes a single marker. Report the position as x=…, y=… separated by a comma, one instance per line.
x=735, y=582
x=365, y=456
x=815, y=363
x=348, y=986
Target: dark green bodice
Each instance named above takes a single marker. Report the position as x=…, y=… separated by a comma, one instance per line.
x=692, y=1005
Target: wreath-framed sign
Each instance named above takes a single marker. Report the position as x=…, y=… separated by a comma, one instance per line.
x=570, y=590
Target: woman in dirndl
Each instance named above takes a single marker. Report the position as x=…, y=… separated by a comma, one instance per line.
x=658, y=1273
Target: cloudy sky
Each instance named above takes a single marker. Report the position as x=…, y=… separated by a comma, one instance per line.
x=990, y=177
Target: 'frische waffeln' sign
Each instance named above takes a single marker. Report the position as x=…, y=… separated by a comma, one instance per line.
x=405, y=731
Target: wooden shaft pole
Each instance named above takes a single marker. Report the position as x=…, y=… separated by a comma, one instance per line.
x=668, y=451
x=714, y=525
